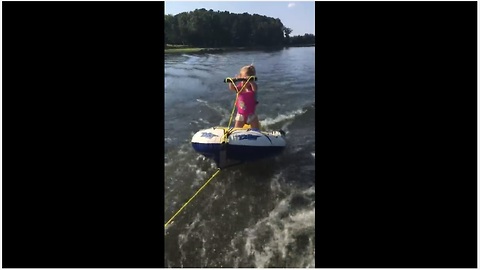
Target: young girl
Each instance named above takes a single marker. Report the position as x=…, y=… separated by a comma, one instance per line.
x=246, y=102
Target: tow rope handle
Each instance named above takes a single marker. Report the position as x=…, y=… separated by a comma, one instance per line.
x=234, y=80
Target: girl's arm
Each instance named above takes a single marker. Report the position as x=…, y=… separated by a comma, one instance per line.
x=254, y=86
x=230, y=86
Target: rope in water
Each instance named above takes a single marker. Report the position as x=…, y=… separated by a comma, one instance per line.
x=198, y=191
x=226, y=135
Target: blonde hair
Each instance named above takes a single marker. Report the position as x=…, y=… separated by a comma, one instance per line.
x=248, y=70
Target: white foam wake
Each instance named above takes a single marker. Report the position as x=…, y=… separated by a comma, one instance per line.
x=220, y=110
x=274, y=239
x=282, y=118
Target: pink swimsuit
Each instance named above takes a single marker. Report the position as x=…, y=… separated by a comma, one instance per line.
x=246, y=101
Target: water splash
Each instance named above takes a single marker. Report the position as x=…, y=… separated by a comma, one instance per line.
x=286, y=119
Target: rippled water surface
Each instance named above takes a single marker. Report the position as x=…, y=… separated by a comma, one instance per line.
x=258, y=214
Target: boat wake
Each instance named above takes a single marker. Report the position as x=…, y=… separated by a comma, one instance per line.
x=218, y=110
x=284, y=238
x=281, y=121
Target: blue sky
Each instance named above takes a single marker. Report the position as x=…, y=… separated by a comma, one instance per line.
x=299, y=16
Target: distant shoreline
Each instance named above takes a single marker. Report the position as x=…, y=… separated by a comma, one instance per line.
x=175, y=49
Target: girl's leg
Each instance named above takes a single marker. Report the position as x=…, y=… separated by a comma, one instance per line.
x=239, y=121
x=255, y=123
x=239, y=124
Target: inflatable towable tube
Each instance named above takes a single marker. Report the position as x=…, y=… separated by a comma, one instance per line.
x=234, y=146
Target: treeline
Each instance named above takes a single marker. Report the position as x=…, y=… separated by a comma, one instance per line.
x=213, y=29
x=306, y=39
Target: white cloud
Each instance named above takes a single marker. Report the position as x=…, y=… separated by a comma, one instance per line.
x=291, y=5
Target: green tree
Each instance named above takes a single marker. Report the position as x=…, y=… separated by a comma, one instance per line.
x=287, y=31
x=208, y=28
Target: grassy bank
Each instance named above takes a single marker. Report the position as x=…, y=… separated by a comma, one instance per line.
x=170, y=49
x=201, y=50
x=183, y=50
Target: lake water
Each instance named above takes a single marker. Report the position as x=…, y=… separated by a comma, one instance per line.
x=258, y=214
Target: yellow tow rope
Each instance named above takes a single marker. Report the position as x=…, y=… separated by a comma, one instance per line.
x=198, y=191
